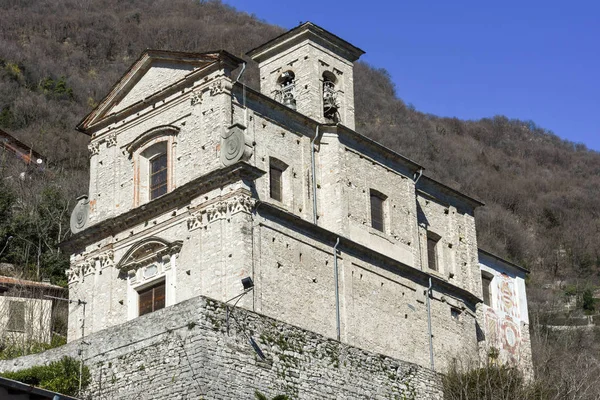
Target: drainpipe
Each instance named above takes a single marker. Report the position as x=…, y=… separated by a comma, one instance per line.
x=255, y=223
x=243, y=94
x=337, y=290
x=81, y=302
x=314, y=177
x=429, y=324
x=418, y=177
x=417, y=217
x=241, y=72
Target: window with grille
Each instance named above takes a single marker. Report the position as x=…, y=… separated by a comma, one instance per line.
x=275, y=182
x=486, y=283
x=377, y=214
x=432, y=257
x=16, y=316
x=152, y=299
x=158, y=176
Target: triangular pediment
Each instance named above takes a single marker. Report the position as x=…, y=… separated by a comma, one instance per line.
x=153, y=73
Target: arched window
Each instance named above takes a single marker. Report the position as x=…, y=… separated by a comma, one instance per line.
x=153, y=159
x=157, y=168
x=287, y=87
x=330, y=103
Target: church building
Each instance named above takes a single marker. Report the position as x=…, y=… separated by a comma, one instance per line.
x=203, y=186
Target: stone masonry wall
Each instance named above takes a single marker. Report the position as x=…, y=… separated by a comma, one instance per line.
x=186, y=352
x=382, y=309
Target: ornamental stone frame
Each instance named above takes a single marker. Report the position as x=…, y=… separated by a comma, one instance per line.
x=166, y=135
x=147, y=263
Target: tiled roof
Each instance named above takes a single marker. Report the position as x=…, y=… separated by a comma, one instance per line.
x=7, y=280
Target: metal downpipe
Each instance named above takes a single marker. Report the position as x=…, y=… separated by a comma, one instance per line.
x=429, y=325
x=337, y=289
x=314, y=177
x=241, y=72
x=416, y=179
x=243, y=95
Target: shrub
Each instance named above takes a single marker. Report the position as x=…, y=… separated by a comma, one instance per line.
x=13, y=349
x=489, y=383
x=59, y=376
x=587, y=300
x=571, y=290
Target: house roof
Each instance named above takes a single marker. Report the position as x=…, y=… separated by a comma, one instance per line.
x=502, y=260
x=20, y=389
x=427, y=181
x=137, y=70
x=300, y=33
x=25, y=153
x=10, y=281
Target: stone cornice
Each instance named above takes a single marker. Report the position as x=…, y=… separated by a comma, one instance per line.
x=222, y=209
x=90, y=265
x=176, y=198
x=326, y=236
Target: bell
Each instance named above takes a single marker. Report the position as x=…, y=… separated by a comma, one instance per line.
x=290, y=102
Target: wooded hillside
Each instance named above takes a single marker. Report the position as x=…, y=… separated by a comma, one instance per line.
x=59, y=58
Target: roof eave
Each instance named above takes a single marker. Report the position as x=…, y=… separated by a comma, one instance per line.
x=504, y=261
x=308, y=28
x=145, y=59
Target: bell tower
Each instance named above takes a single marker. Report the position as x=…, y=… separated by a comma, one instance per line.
x=310, y=70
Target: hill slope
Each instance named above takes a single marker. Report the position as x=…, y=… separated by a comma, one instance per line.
x=59, y=58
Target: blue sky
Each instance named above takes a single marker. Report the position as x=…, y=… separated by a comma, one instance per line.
x=532, y=60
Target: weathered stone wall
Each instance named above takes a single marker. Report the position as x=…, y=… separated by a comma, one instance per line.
x=201, y=115
x=362, y=174
x=185, y=351
x=382, y=308
x=214, y=255
x=457, y=248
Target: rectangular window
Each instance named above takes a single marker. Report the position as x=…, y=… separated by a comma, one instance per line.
x=275, y=174
x=486, y=283
x=152, y=299
x=377, y=211
x=158, y=176
x=16, y=316
x=432, y=259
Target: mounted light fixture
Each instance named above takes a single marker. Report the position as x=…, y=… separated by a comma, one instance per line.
x=248, y=285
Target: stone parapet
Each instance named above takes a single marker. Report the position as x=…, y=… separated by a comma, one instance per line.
x=187, y=351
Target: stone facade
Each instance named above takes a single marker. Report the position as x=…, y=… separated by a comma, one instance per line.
x=407, y=285
x=187, y=352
